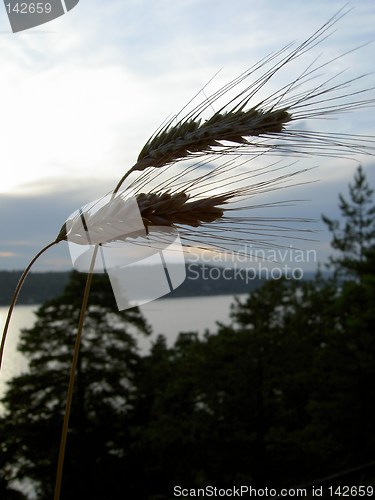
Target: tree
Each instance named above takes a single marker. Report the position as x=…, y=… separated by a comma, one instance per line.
x=343, y=406
x=281, y=396
x=103, y=398
x=7, y=493
x=355, y=237
x=233, y=407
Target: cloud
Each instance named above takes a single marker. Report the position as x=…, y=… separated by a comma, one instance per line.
x=32, y=219
x=7, y=254
x=83, y=98
x=82, y=94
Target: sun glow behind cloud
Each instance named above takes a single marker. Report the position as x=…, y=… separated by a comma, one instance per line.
x=54, y=126
x=82, y=100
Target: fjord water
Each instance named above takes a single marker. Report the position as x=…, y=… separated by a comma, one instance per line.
x=166, y=316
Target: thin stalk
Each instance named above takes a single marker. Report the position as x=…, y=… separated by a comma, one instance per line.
x=73, y=367
x=16, y=293
x=121, y=182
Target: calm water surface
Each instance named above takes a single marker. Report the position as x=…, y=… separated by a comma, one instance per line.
x=168, y=316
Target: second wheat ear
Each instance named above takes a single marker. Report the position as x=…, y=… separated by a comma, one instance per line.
x=200, y=172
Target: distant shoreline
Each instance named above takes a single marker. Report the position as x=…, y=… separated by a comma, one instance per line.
x=201, y=280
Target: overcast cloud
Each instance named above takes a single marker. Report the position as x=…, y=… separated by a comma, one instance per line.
x=81, y=95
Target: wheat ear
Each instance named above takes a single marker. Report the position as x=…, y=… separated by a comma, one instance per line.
x=193, y=136
x=169, y=209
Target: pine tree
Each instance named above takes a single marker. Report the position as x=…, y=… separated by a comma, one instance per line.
x=348, y=358
x=355, y=237
x=104, y=393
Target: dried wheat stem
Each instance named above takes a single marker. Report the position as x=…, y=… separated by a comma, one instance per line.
x=16, y=293
x=73, y=368
x=156, y=209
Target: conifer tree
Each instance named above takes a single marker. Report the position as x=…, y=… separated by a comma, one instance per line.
x=104, y=393
x=354, y=238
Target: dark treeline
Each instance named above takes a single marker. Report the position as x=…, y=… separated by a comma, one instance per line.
x=38, y=287
x=201, y=279
x=283, y=395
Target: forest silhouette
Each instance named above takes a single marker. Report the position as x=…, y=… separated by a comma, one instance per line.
x=281, y=396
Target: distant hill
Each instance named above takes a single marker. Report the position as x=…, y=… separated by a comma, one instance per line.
x=201, y=280
x=38, y=287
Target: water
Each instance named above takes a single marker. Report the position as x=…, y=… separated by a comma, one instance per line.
x=168, y=317
x=13, y=362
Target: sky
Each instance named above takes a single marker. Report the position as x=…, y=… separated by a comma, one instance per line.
x=83, y=93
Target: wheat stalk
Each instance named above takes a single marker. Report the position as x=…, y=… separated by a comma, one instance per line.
x=193, y=173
